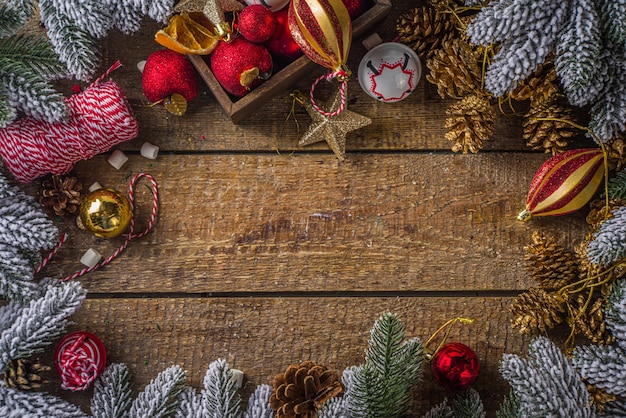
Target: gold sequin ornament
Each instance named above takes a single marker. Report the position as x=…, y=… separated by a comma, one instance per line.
x=106, y=213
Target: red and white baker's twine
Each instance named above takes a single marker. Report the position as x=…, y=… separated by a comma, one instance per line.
x=340, y=75
x=131, y=230
x=77, y=368
x=99, y=118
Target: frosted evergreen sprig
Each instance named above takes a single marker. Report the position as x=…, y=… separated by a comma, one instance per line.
x=609, y=242
x=335, y=407
x=40, y=321
x=112, y=393
x=190, y=405
x=603, y=366
x=442, y=410
x=526, y=30
x=613, y=17
x=14, y=15
x=467, y=404
x=510, y=407
x=32, y=54
x=617, y=186
x=160, y=398
x=615, y=312
x=382, y=386
x=259, y=404
x=23, y=224
x=220, y=396
x=21, y=404
x=16, y=273
x=615, y=409
x=578, y=60
x=546, y=384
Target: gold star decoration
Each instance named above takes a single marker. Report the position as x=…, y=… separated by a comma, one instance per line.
x=332, y=129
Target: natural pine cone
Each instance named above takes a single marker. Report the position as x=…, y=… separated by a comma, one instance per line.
x=599, y=397
x=455, y=69
x=549, y=263
x=302, y=389
x=25, y=374
x=469, y=123
x=598, y=211
x=541, y=87
x=61, y=195
x=537, y=310
x=545, y=129
x=590, y=320
x=424, y=29
x=616, y=152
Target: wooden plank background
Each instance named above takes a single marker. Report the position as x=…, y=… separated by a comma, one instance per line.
x=267, y=253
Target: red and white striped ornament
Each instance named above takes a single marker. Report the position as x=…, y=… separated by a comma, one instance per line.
x=564, y=183
x=100, y=117
x=80, y=358
x=323, y=31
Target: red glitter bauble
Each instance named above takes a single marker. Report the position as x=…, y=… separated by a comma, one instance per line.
x=281, y=45
x=231, y=60
x=167, y=72
x=455, y=366
x=356, y=7
x=256, y=23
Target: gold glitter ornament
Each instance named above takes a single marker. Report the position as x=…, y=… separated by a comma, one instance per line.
x=332, y=129
x=106, y=213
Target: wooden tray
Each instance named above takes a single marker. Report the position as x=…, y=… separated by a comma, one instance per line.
x=277, y=83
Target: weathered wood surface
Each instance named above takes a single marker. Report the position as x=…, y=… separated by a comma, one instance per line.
x=267, y=253
x=262, y=336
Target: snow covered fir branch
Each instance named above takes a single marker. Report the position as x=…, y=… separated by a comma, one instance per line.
x=70, y=48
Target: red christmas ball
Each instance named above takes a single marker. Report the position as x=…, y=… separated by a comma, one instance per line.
x=455, y=366
x=281, y=45
x=256, y=23
x=167, y=72
x=356, y=7
x=241, y=65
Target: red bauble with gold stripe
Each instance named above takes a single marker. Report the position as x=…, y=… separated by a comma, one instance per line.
x=323, y=30
x=564, y=183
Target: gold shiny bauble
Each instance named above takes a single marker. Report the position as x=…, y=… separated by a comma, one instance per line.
x=105, y=212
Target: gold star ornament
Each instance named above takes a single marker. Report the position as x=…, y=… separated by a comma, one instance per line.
x=332, y=129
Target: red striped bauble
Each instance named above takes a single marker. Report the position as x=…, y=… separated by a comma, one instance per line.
x=564, y=183
x=79, y=358
x=323, y=30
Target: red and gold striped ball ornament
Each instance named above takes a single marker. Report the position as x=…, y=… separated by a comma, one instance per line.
x=323, y=31
x=564, y=183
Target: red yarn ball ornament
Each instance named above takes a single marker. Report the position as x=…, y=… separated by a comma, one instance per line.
x=80, y=357
x=455, y=366
x=167, y=72
x=281, y=45
x=234, y=65
x=256, y=23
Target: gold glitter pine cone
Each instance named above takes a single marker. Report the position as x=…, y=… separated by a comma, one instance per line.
x=540, y=87
x=589, y=321
x=424, y=29
x=61, y=195
x=544, y=127
x=301, y=390
x=469, y=123
x=455, y=69
x=549, y=263
x=537, y=311
x=25, y=374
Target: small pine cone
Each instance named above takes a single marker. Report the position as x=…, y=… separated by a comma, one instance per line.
x=549, y=263
x=590, y=322
x=540, y=87
x=616, y=152
x=598, y=211
x=25, y=374
x=61, y=196
x=455, y=69
x=586, y=268
x=302, y=389
x=551, y=135
x=537, y=310
x=599, y=397
x=469, y=123
x=423, y=29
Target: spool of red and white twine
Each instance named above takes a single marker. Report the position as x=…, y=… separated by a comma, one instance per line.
x=79, y=358
x=99, y=118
